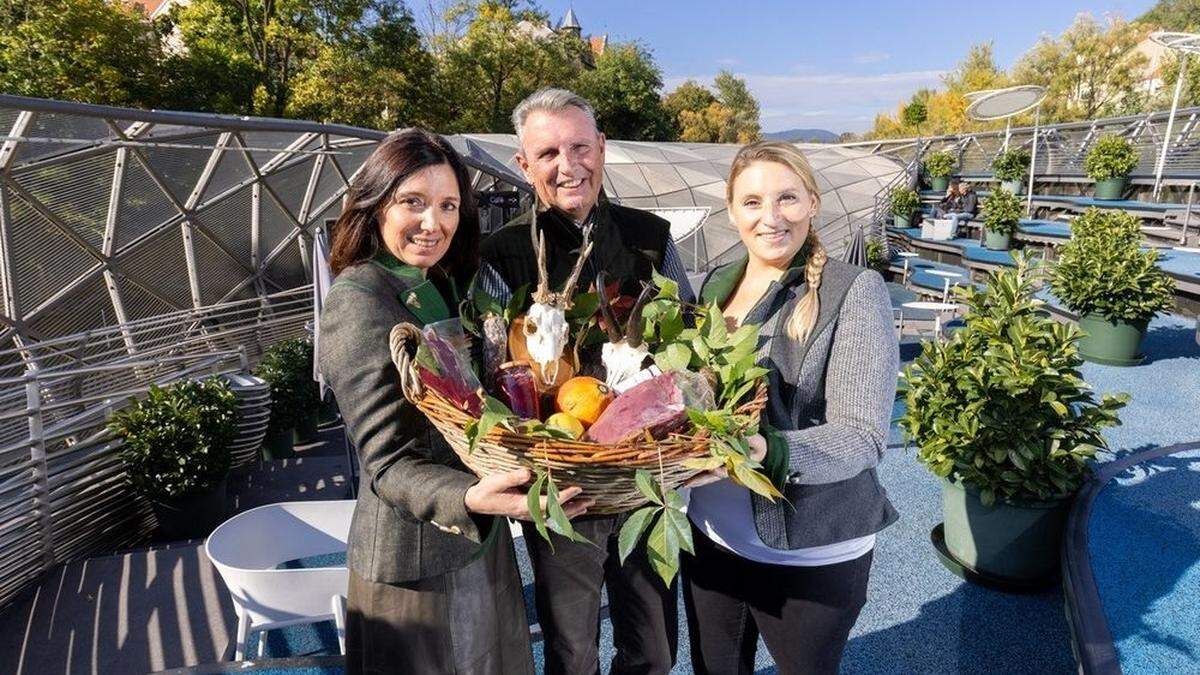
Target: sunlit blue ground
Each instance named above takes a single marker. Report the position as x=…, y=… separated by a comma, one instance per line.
x=920, y=618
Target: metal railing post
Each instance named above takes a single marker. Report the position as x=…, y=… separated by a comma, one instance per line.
x=41, y=472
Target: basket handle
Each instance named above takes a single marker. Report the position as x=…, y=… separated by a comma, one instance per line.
x=403, y=341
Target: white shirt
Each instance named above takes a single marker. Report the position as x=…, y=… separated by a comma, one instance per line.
x=723, y=512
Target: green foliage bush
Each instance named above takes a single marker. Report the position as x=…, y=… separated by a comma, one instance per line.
x=903, y=201
x=1103, y=270
x=1112, y=156
x=1001, y=212
x=176, y=440
x=876, y=254
x=1012, y=164
x=287, y=367
x=939, y=164
x=1001, y=405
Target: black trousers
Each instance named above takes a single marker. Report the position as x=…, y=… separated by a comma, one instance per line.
x=803, y=613
x=567, y=583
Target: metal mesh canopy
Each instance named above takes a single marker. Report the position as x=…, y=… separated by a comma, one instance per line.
x=112, y=215
x=998, y=104
x=1184, y=42
x=651, y=175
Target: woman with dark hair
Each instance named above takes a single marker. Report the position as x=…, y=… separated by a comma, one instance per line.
x=434, y=586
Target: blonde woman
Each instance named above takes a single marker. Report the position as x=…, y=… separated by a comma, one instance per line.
x=794, y=572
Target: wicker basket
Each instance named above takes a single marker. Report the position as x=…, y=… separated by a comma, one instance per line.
x=605, y=472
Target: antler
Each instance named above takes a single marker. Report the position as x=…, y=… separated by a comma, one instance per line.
x=633, y=329
x=610, y=319
x=567, y=294
x=542, y=293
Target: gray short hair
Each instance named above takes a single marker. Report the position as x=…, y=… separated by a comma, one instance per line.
x=549, y=100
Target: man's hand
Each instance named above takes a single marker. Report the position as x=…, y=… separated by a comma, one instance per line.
x=504, y=495
x=758, y=450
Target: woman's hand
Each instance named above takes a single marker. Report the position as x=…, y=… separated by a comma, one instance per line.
x=504, y=495
x=758, y=450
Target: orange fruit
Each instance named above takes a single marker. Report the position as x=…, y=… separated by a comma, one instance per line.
x=584, y=398
x=562, y=420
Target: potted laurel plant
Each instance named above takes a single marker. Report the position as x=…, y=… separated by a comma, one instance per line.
x=287, y=367
x=1109, y=163
x=176, y=453
x=1113, y=285
x=904, y=203
x=1001, y=215
x=1001, y=414
x=938, y=166
x=1011, y=168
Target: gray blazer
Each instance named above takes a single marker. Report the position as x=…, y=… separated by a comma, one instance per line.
x=410, y=521
x=829, y=405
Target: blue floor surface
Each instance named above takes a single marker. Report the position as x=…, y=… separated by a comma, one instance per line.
x=1149, y=583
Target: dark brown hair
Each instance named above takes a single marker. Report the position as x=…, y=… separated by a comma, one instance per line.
x=355, y=238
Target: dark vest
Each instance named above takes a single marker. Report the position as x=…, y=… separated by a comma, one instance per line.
x=629, y=243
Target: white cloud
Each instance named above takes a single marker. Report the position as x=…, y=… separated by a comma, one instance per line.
x=870, y=57
x=834, y=101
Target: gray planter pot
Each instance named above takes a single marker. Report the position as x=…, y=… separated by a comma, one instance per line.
x=939, y=183
x=1017, y=187
x=1017, y=542
x=996, y=241
x=1113, y=188
x=1112, y=343
x=191, y=516
x=900, y=221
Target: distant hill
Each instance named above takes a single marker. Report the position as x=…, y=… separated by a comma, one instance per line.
x=803, y=136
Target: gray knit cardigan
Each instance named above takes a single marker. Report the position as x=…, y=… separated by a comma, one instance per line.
x=829, y=406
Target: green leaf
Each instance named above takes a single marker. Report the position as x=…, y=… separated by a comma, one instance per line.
x=662, y=547
x=647, y=486
x=632, y=530
x=754, y=481
x=667, y=287
x=558, y=517
x=533, y=500
x=679, y=528
x=674, y=357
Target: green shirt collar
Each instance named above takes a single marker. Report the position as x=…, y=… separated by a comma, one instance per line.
x=723, y=280
x=418, y=294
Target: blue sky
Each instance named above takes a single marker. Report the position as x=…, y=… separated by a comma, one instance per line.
x=829, y=65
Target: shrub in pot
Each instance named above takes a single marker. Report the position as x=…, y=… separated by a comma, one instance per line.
x=176, y=452
x=1011, y=168
x=287, y=367
x=938, y=166
x=1000, y=413
x=876, y=255
x=1109, y=163
x=1001, y=215
x=1115, y=286
x=903, y=203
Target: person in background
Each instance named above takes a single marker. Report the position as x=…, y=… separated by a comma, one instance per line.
x=434, y=586
x=794, y=570
x=959, y=205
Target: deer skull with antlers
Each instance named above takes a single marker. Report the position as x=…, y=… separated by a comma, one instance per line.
x=625, y=350
x=546, y=323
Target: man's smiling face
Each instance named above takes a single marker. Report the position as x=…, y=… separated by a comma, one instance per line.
x=562, y=155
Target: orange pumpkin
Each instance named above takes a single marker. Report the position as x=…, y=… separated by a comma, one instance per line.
x=584, y=398
x=519, y=352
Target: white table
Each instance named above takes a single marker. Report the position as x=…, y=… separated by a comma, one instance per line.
x=946, y=277
x=906, y=255
x=938, y=309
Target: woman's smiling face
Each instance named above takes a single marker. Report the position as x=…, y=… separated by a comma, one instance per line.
x=772, y=211
x=419, y=222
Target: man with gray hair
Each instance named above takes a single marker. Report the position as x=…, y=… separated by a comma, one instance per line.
x=562, y=156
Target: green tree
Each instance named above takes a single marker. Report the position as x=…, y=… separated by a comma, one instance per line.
x=733, y=93
x=1090, y=71
x=1176, y=15
x=502, y=57
x=83, y=50
x=690, y=97
x=382, y=78
x=624, y=88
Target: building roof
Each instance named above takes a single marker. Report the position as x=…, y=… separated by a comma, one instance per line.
x=570, y=21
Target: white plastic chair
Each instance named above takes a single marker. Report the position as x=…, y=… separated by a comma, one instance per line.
x=247, y=548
